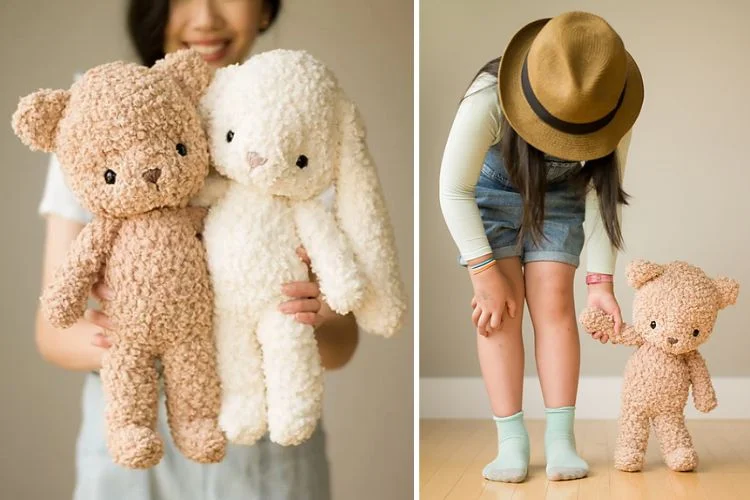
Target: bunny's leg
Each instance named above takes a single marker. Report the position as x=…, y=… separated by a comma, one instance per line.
x=130, y=384
x=632, y=439
x=294, y=377
x=676, y=445
x=194, y=397
x=243, y=405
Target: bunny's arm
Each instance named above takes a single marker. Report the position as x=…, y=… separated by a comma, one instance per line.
x=214, y=188
x=64, y=300
x=331, y=257
x=704, y=395
x=596, y=320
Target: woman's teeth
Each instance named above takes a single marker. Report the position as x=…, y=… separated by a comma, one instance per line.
x=208, y=50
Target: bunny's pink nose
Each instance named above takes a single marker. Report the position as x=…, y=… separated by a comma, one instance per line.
x=255, y=160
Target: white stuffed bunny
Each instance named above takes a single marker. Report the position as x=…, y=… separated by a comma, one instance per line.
x=284, y=134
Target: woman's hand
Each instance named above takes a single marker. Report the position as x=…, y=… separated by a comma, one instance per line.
x=493, y=299
x=306, y=303
x=601, y=296
x=100, y=292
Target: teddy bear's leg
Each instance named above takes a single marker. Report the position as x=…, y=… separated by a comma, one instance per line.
x=294, y=377
x=193, y=394
x=130, y=384
x=676, y=445
x=243, y=405
x=632, y=440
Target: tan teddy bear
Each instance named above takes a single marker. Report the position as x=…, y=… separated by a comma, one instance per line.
x=674, y=311
x=131, y=145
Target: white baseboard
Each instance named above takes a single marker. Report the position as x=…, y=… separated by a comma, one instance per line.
x=598, y=398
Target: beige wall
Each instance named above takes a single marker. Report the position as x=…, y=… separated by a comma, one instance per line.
x=687, y=170
x=368, y=410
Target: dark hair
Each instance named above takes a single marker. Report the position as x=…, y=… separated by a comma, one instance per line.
x=527, y=170
x=147, y=22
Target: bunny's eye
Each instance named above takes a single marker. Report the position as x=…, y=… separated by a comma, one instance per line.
x=653, y=325
x=230, y=136
x=302, y=161
x=696, y=333
x=110, y=176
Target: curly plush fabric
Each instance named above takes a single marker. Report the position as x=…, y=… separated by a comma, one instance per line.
x=282, y=132
x=674, y=311
x=131, y=145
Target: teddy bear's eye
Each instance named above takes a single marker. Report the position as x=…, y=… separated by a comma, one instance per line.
x=230, y=136
x=653, y=325
x=181, y=149
x=696, y=333
x=302, y=161
x=110, y=176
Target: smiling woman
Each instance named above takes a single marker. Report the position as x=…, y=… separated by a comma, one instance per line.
x=223, y=32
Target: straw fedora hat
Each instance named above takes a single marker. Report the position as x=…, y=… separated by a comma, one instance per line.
x=568, y=87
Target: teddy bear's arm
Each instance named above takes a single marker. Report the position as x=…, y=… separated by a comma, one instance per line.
x=596, y=320
x=64, y=300
x=331, y=256
x=704, y=394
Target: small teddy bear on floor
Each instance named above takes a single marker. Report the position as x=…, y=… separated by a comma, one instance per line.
x=674, y=311
x=132, y=148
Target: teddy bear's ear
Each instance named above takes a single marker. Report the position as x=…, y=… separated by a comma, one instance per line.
x=640, y=272
x=728, y=290
x=188, y=68
x=37, y=116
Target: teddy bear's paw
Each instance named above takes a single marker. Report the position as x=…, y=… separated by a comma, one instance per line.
x=682, y=459
x=200, y=440
x=243, y=419
x=628, y=459
x=596, y=320
x=135, y=447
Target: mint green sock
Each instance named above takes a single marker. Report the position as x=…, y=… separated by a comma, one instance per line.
x=563, y=461
x=512, y=460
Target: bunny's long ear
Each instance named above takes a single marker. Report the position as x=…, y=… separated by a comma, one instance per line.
x=37, y=117
x=363, y=216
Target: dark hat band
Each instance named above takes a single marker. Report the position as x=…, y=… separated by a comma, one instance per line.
x=562, y=125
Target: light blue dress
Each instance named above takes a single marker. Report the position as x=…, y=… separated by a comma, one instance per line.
x=265, y=471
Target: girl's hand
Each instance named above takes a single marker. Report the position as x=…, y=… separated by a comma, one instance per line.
x=100, y=292
x=601, y=296
x=493, y=299
x=306, y=304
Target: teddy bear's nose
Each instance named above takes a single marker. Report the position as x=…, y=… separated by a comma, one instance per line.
x=672, y=340
x=152, y=175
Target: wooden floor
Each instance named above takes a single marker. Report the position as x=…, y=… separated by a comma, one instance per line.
x=453, y=453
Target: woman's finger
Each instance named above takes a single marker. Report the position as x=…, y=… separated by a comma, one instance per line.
x=484, y=320
x=512, y=308
x=604, y=339
x=618, y=320
x=473, y=302
x=99, y=318
x=101, y=340
x=100, y=291
x=306, y=318
x=300, y=306
x=301, y=289
x=475, y=315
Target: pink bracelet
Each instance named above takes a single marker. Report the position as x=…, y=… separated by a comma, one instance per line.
x=595, y=278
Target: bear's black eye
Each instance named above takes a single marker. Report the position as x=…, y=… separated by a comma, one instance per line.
x=696, y=333
x=653, y=325
x=230, y=136
x=181, y=149
x=302, y=161
x=109, y=176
